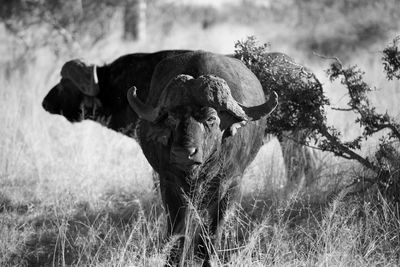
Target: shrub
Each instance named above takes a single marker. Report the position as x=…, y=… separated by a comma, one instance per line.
x=301, y=106
x=301, y=99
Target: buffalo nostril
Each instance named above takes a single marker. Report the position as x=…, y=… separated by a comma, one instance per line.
x=192, y=151
x=185, y=153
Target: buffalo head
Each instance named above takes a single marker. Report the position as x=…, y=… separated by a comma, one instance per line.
x=75, y=96
x=194, y=115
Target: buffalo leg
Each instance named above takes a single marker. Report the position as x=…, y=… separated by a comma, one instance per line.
x=298, y=159
x=218, y=205
x=175, y=208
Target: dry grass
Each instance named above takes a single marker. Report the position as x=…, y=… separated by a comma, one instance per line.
x=81, y=195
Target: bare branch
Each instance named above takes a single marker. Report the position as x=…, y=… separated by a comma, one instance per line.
x=350, y=154
x=325, y=57
x=380, y=127
x=342, y=109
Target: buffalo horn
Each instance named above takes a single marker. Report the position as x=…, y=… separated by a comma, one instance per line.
x=260, y=111
x=95, y=78
x=144, y=111
x=214, y=91
x=93, y=89
x=83, y=76
x=236, y=109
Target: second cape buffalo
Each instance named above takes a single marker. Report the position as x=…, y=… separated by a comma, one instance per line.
x=200, y=124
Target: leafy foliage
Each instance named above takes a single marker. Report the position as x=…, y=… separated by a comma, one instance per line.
x=301, y=98
x=301, y=106
x=391, y=60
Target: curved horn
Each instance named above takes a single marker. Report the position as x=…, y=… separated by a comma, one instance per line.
x=144, y=111
x=236, y=109
x=93, y=89
x=254, y=113
x=175, y=92
x=214, y=91
x=258, y=112
x=84, y=77
x=95, y=78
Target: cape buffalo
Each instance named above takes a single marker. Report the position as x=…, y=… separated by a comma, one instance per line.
x=200, y=124
x=99, y=93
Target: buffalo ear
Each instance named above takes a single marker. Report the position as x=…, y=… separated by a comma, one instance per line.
x=82, y=75
x=237, y=125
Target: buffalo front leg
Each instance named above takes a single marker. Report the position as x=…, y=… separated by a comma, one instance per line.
x=216, y=205
x=175, y=210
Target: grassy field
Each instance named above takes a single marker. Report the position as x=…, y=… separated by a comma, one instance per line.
x=82, y=195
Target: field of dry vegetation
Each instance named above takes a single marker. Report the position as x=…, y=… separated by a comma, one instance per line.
x=82, y=195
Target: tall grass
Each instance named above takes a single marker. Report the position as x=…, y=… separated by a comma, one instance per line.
x=348, y=232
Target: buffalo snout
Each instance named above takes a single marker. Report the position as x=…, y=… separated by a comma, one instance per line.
x=186, y=157
x=46, y=105
x=51, y=102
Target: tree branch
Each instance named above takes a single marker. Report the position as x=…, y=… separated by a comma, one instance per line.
x=342, y=109
x=351, y=154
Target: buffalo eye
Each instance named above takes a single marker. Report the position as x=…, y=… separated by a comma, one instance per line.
x=208, y=116
x=211, y=120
